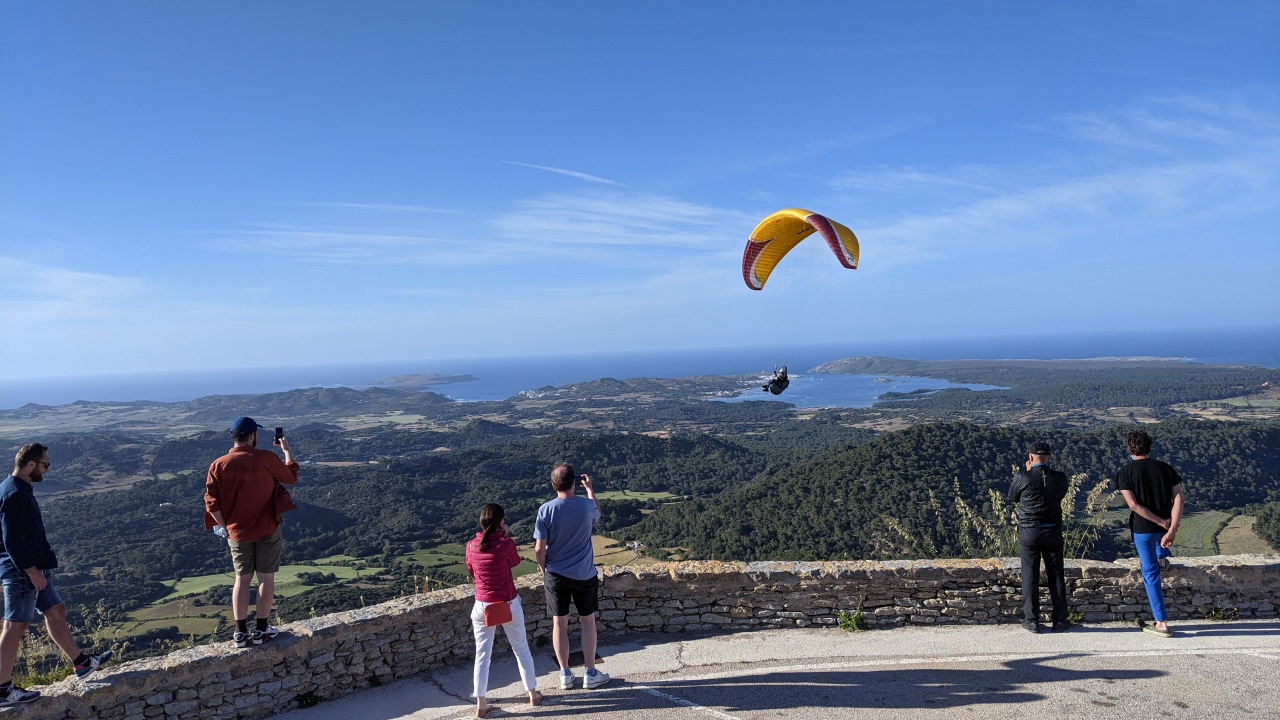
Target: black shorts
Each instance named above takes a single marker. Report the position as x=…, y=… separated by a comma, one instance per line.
x=560, y=589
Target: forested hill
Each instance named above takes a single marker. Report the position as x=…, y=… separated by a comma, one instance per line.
x=896, y=496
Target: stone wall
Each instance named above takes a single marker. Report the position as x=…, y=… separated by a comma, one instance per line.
x=334, y=655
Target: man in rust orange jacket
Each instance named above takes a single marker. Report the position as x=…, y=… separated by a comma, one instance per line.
x=240, y=502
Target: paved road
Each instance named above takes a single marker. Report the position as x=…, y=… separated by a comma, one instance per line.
x=1209, y=670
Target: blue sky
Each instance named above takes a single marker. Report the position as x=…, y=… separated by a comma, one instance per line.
x=204, y=185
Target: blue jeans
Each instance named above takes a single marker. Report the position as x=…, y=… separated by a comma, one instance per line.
x=21, y=601
x=1150, y=553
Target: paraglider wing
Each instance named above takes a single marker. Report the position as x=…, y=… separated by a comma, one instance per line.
x=777, y=234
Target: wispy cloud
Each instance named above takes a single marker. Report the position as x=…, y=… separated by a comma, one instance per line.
x=570, y=173
x=1175, y=124
x=1164, y=182
x=325, y=245
x=602, y=226
x=1140, y=202
x=50, y=293
x=380, y=207
x=910, y=180
x=612, y=220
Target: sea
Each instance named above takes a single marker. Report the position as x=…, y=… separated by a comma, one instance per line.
x=505, y=377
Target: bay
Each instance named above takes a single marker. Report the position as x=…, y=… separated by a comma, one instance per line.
x=501, y=378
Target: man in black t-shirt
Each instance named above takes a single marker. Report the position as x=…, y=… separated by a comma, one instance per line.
x=1038, y=493
x=1153, y=490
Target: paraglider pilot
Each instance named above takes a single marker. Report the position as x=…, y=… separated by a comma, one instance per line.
x=778, y=383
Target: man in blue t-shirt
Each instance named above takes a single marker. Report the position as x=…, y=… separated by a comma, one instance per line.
x=1153, y=491
x=567, y=561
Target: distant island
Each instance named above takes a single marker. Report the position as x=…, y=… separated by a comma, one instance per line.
x=417, y=381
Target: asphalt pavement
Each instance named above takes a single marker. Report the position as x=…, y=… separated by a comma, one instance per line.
x=1208, y=670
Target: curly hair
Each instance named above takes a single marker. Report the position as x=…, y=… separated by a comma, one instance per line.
x=1138, y=442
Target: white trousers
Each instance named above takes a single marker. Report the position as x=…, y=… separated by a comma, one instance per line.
x=484, y=646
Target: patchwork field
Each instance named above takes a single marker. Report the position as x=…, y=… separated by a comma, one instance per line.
x=634, y=495
x=287, y=583
x=1238, y=538
x=1197, y=535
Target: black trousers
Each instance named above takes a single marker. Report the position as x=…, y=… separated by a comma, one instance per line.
x=1035, y=543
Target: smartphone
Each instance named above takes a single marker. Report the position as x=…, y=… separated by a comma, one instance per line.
x=279, y=434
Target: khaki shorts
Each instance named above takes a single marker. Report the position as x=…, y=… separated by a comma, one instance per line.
x=261, y=556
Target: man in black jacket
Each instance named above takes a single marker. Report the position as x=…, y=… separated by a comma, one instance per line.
x=1038, y=493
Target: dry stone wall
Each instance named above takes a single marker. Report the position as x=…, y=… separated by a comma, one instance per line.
x=331, y=656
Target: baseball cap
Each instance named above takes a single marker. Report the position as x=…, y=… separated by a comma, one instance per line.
x=1039, y=448
x=244, y=426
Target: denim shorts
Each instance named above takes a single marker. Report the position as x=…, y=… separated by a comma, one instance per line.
x=21, y=601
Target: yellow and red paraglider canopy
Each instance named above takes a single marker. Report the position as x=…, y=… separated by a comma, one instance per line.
x=774, y=237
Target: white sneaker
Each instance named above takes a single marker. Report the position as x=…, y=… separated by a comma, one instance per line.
x=594, y=679
x=566, y=679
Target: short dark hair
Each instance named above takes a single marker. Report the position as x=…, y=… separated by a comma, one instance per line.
x=28, y=453
x=562, y=477
x=1138, y=442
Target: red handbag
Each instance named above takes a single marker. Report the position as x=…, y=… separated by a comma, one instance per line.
x=498, y=613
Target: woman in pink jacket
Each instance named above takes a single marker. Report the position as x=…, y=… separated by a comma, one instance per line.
x=491, y=555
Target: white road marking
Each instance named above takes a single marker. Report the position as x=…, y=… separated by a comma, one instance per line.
x=684, y=703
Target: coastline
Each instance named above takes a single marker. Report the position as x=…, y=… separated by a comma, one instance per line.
x=478, y=379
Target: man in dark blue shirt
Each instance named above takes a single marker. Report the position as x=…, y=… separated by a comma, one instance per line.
x=1038, y=492
x=26, y=562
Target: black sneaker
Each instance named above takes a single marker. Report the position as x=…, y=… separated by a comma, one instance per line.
x=1031, y=626
x=17, y=696
x=244, y=639
x=91, y=663
x=1060, y=627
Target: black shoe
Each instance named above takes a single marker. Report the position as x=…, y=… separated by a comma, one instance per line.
x=244, y=639
x=92, y=662
x=1031, y=626
x=1061, y=626
x=17, y=696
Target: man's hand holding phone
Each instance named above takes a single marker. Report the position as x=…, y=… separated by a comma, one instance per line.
x=283, y=443
x=585, y=481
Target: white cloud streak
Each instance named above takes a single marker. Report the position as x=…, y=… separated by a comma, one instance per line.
x=49, y=294
x=1185, y=161
x=569, y=173
x=382, y=207
x=614, y=220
